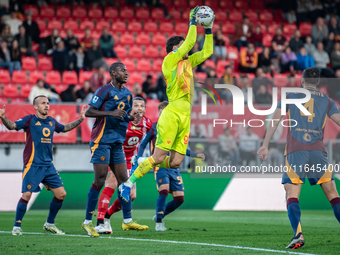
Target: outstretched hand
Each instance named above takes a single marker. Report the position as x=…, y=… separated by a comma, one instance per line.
x=2, y=111
x=211, y=24
x=193, y=13
x=201, y=155
x=82, y=113
x=118, y=113
x=263, y=153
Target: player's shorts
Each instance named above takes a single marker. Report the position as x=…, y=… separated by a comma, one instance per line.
x=313, y=164
x=107, y=153
x=173, y=130
x=35, y=175
x=171, y=177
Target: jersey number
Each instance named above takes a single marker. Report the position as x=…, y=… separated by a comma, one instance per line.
x=180, y=179
x=121, y=106
x=310, y=107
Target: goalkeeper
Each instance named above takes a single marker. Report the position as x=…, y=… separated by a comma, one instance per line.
x=174, y=124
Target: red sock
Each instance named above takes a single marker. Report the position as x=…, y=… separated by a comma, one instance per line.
x=115, y=207
x=104, y=201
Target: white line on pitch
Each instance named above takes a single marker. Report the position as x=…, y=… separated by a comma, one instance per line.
x=174, y=242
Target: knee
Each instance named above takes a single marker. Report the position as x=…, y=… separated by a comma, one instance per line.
x=174, y=164
x=179, y=199
x=27, y=196
x=61, y=195
x=100, y=181
x=133, y=197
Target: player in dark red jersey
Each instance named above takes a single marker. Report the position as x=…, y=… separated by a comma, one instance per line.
x=134, y=134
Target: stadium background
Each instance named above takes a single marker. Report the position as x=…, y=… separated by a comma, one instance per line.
x=140, y=34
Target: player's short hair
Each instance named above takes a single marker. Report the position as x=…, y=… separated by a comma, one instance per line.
x=173, y=41
x=311, y=75
x=114, y=66
x=138, y=98
x=36, y=98
x=162, y=105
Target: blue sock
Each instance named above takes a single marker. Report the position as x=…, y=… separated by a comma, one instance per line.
x=92, y=200
x=294, y=214
x=335, y=202
x=161, y=204
x=20, y=212
x=55, y=206
x=126, y=207
x=173, y=204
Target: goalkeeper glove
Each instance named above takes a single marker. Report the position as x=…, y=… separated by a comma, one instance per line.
x=193, y=13
x=211, y=24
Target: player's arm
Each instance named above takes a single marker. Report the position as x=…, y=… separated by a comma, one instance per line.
x=334, y=113
x=93, y=112
x=147, y=139
x=8, y=124
x=193, y=154
x=68, y=127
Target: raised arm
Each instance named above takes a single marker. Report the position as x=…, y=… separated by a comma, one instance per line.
x=9, y=124
x=68, y=127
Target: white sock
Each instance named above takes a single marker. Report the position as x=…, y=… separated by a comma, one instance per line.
x=49, y=224
x=140, y=160
x=15, y=227
x=128, y=183
x=87, y=221
x=128, y=220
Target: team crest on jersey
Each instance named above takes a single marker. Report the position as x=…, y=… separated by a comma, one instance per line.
x=29, y=186
x=102, y=158
x=46, y=132
x=95, y=99
x=307, y=137
x=51, y=124
x=128, y=97
x=160, y=180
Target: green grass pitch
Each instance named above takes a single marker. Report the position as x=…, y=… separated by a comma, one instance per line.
x=234, y=232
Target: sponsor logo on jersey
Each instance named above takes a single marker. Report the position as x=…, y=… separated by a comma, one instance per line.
x=133, y=140
x=38, y=124
x=135, y=128
x=168, y=141
x=161, y=212
x=95, y=99
x=128, y=97
x=115, y=97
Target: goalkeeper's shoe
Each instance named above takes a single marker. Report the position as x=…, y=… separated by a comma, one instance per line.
x=89, y=229
x=134, y=226
x=159, y=225
x=104, y=228
x=124, y=192
x=53, y=229
x=296, y=242
x=17, y=231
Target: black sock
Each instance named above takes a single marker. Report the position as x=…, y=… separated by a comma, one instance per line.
x=107, y=216
x=100, y=221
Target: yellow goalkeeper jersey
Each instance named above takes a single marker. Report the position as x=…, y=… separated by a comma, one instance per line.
x=178, y=72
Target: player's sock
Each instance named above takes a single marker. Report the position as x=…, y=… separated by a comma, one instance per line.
x=104, y=201
x=126, y=208
x=141, y=170
x=115, y=207
x=165, y=163
x=173, y=204
x=55, y=206
x=335, y=202
x=161, y=204
x=294, y=214
x=20, y=212
x=92, y=200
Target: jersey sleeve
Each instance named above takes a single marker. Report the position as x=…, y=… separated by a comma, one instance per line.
x=98, y=98
x=191, y=153
x=207, y=50
x=147, y=138
x=333, y=108
x=23, y=123
x=58, y=126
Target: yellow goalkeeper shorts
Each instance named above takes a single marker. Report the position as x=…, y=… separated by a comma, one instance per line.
x=173, y=130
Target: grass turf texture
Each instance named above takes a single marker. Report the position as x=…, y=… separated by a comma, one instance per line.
x=268, y=230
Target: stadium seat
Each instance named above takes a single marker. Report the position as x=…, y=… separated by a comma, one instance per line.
x=101, y=24
x=53, y=77
x=86, y=23
x=110, y=12
x=95, y=34
x=120, y=51
x=47, y=11
x=41, y=23
x=119, y=25
x=266, y=15
x=127, y=13
x=235, y=16
x=19, y=77
x=289, y=29
x=158, y=39
x=11, y=91
x=84, y=75
x=166, y=26
x=213, y=4
x=25, y=90
x=232, y=52
x=79, y=11
x=175, y=13
x=45, y=64
x=32, y=8
x=241, y=4
x=135, y=77
x=186, y=14
x=54, y=23
x=3, y=100
x=210, y=63
x=201, y=75
x=127, y=38
x=263, y=27
x=252, y=15
x=157, y=13
x=267, y=40
x=142, y=13
x=136, y=52
x=228, y=28
x=28, y=63
x=108, y=76
x=256, y=4
x=134, y=26
x=143, y=39
x=180, y=3
x=70, y=77
x=305, y=28
x=4, y=76
x=280, y=80
x=45, y=33
x=272, y=28
x=151, y=52
x=194, y=3
x=95, y=12
x=79, y=34
x=109, y=61
x=157, y=65
x=221, y=64
x=63, y=11
x=220, y=15
x=130, y=64
x=144, y=65
x=71, y=24
x=150, y=26
x=60, y=88
x=226, y=5
x=34, y=76
x=182, y=27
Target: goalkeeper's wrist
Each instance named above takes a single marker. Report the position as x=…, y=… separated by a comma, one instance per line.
x=208, y=31
x=192, y=22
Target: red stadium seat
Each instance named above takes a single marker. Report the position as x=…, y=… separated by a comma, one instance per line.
x=79, y=11
x=265, y=15
x=267, y=40
x=136, y=52
x=158, y=39
x=47, y=11
x=120, y=51
x=272, y=28
x=263, y=27
x=110, y=61
x=142, y=13
x=186, y=13
x=11, y=91
x=150, y=26
x=256, y=4
x=19, y=77
x=110, y=12
x=28, y=63
x=221, y=64
x=220, y=15
x=157, y=13
x=60, y=88
x=194, y=3
x=180, y=3
x=4, y=76
x=166, y=26
x=175, y=13
x=71, y=24
x=134, y=26
x=84, y=76
x=119, y=25
x=34, y=76
x=241, y=4
x=143, y=39
x=127, y=38
x=70, y=77
x=135, y=77
x=25, y=90
x=127, y=13
x=252, y=15
x=144, y=65
x=151, y=52
x=54, y=23
x=95, y=12
x=228, y=28
x=226, y=5
x=108, y=76
x=86, y=23
x=157, y=65
x=41, y=23
x=305, y=28
x=130, y=64
x=63, y=11
x=101, y=24
x=79, y=34
x=201, y=75
x=235, y=16
x=213, y=4
x=280, y=80
x=45, y=63
x=210, y=63
x=182, y=27
x=33, y=9
x=95, y=35
x=289, y=29
x=53, y=77
x=232, y=52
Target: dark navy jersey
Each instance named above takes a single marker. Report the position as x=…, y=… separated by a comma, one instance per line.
x=39, y=139
x=308, y=133
x=109, y=130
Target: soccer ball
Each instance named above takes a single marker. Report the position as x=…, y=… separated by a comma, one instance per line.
x=205, y=16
